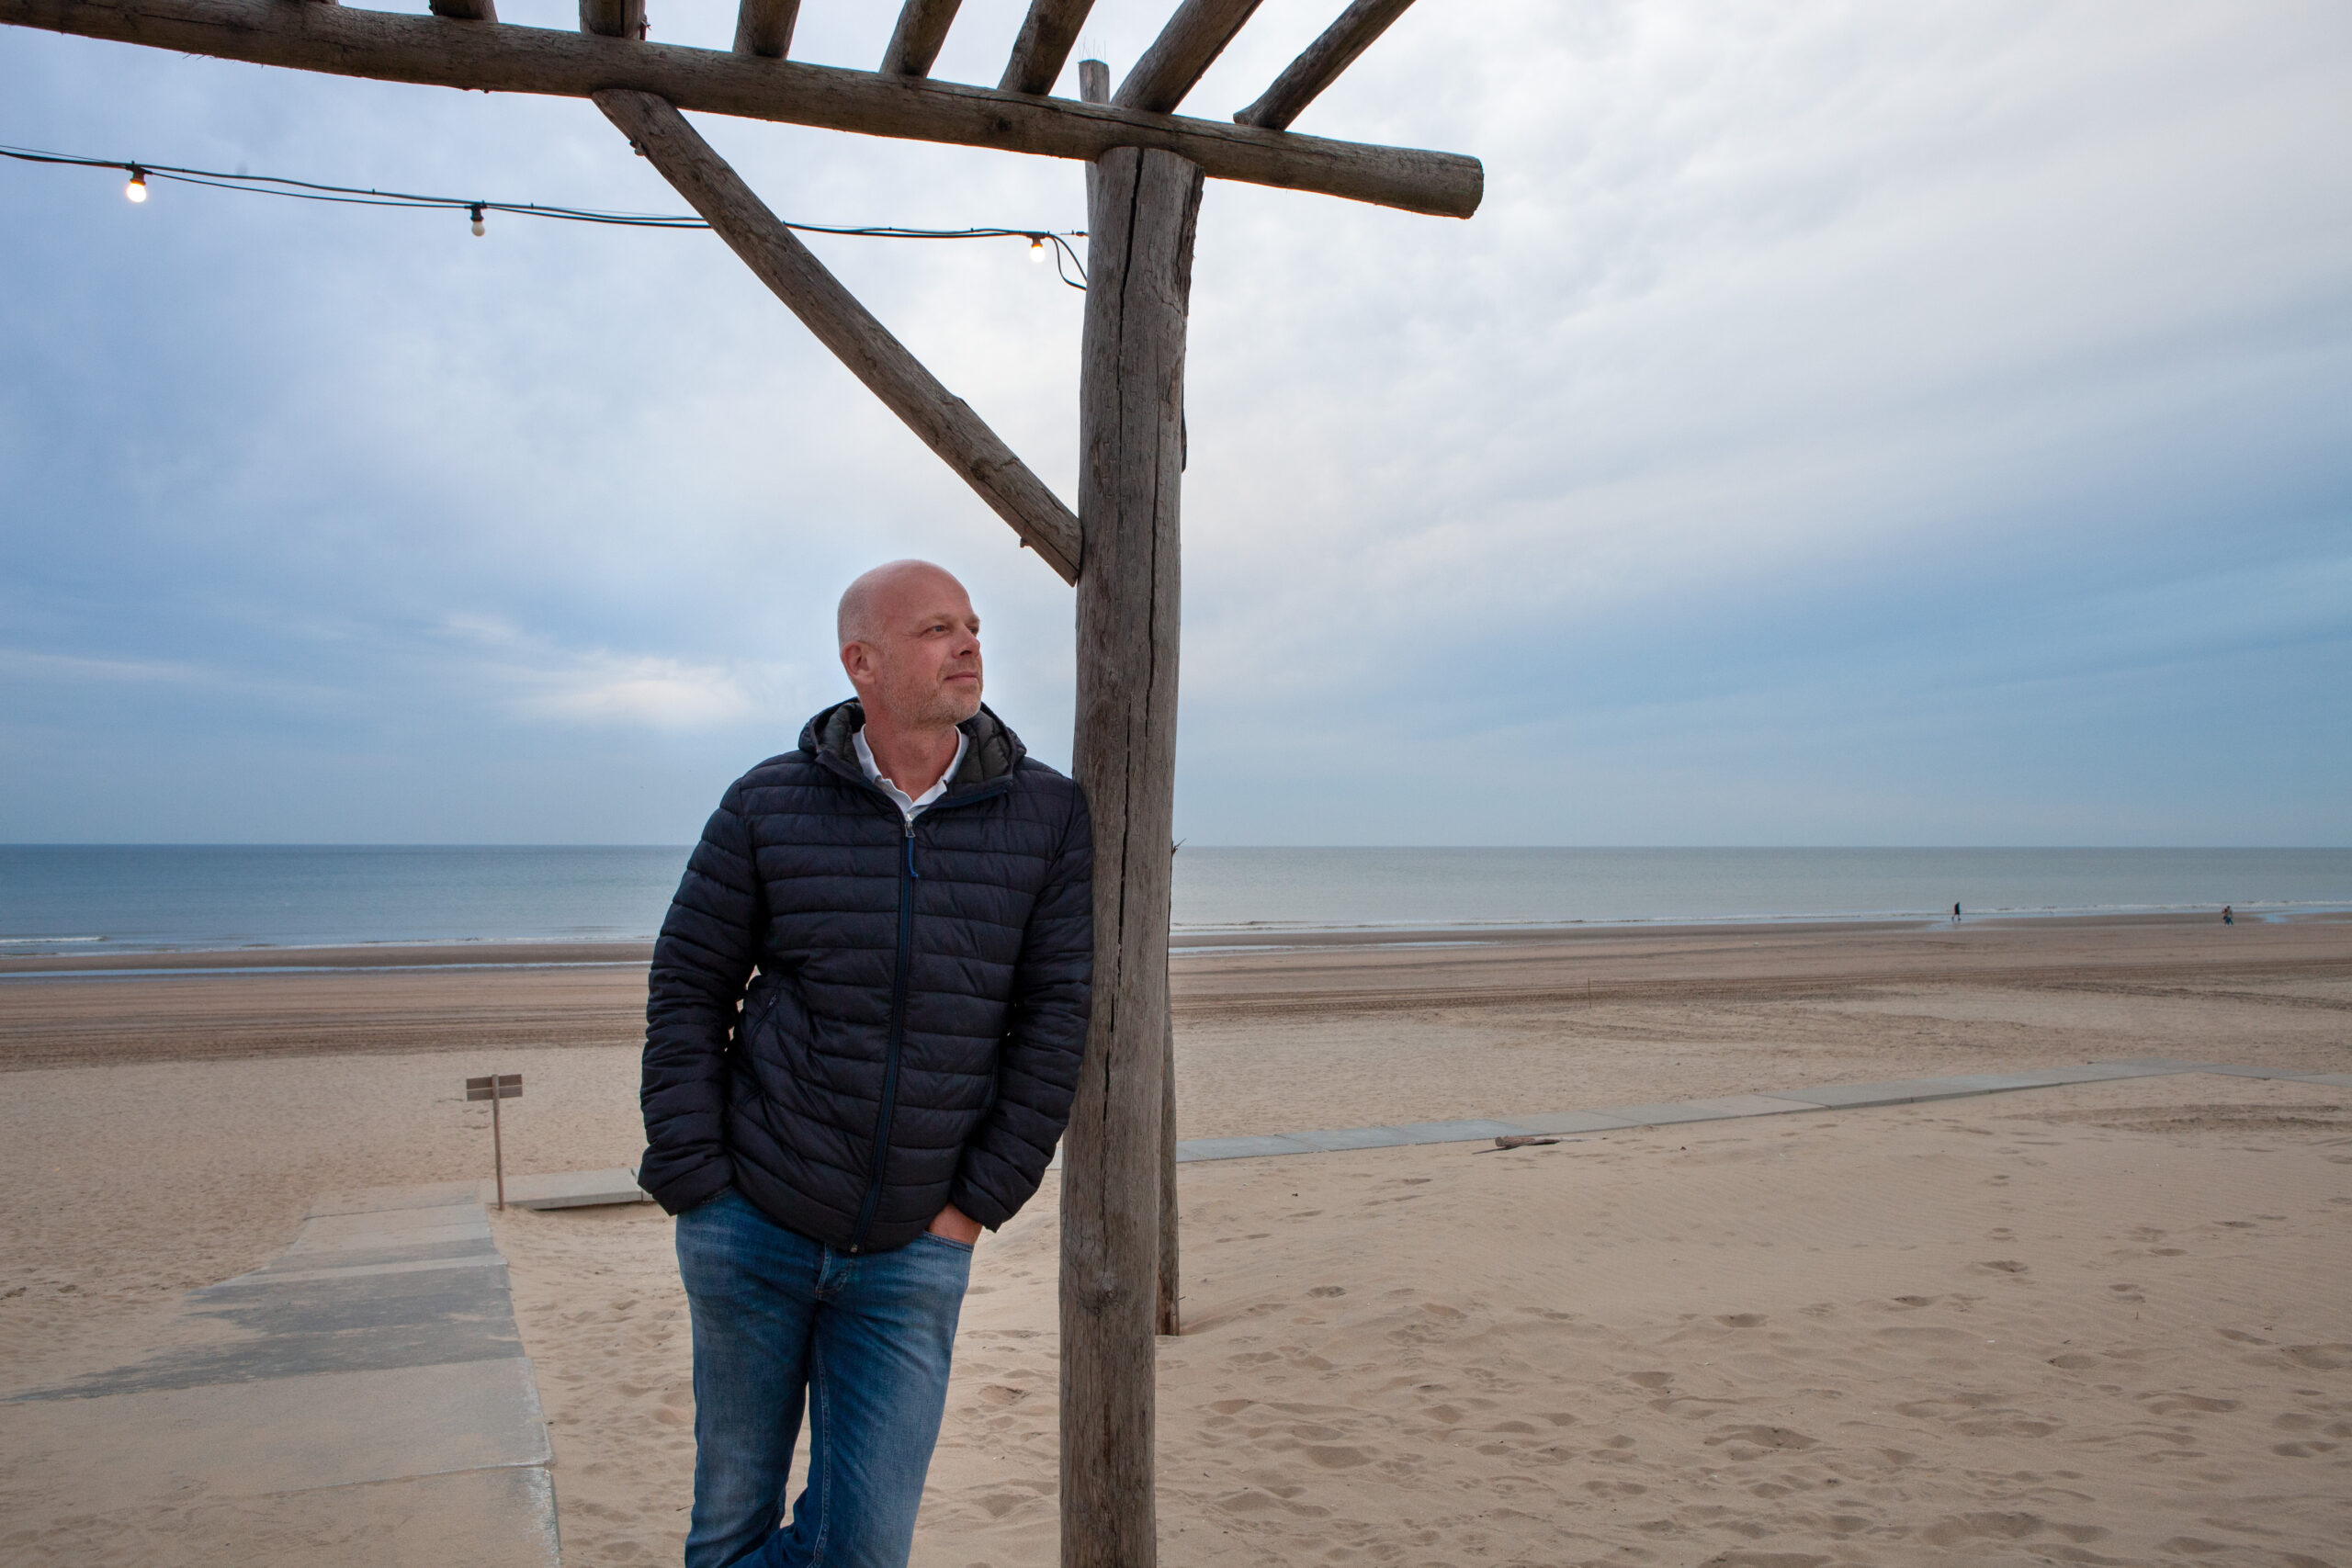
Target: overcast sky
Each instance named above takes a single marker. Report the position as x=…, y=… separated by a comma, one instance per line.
x=1912, y=424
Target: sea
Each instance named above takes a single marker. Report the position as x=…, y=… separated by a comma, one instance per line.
x=62, y=899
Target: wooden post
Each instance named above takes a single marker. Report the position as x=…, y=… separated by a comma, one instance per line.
x=765, y=27
x=1306, y=76
x=1094, y=87
x=613, y=18
x=915, y=41
x=495, y=1087
x=1143, y=208
x=1182, y=53
x=497, y=1154
x=1167, y=1318
x=1047, y=35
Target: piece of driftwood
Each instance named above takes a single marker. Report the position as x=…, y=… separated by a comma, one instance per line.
x=1319, y=65
x=1094, y=87
x=1184, y=49
x=765, y=27
x=613, y=18
x=1520, y=1141
x=465, y=10
x=1048, y=34
x=915, y=41
x=511, y=58
x=1131, y=400
x=946, y=425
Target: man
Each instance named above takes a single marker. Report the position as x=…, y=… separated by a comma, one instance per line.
x=867, y=1008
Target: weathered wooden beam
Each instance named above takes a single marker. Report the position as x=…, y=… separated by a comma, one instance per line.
x=1047, y=35
x=511, y=58
x=1184, y=49
x=1305, y=78
x=466, y=10
x=915, y=41
x=765, y=27
x=1131, y=403
x=613, y=18
x=946, y=425
x=1167, y=1315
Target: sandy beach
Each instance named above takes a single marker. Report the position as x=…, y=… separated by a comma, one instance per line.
x=2103, y=1323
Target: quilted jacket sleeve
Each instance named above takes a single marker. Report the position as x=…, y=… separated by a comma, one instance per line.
x=701, y=964
x=1038, y=1059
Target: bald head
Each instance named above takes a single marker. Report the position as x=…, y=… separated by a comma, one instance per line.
x=911, y=644
x=868, y=602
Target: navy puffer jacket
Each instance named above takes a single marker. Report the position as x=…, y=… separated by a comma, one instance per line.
x=912, y=1036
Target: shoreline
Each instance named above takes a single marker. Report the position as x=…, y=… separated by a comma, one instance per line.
x=529, y=952
x=1537, y=986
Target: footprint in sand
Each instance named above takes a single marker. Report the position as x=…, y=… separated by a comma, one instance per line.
x=1999, y=1266
x=1650, y=1380
x=1333, y=1457
x=1742, y=1320
x=1959, y=1530
x=1753, y=1442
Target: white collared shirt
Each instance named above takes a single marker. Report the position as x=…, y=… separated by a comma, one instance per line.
x=912, y=806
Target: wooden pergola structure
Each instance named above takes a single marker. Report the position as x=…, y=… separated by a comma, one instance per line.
x=1120, y=550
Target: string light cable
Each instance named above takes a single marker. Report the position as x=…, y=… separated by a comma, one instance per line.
x=1042, y=242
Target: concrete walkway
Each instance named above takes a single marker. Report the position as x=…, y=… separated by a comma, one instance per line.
x=364, y=1399
x=1836, y=1097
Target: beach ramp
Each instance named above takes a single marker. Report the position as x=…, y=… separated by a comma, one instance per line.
x=362, y=1400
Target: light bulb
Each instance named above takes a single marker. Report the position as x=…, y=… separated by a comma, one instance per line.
x=137, y=189
x=478, y=223
x=1036, y=248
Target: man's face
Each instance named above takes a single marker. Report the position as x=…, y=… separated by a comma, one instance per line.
x=921, y=665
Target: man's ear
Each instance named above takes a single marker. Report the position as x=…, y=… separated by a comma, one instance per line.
x=855, y=662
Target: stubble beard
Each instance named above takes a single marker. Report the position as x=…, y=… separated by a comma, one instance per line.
x=941, y=704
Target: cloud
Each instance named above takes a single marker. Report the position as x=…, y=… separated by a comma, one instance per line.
x=1928, y=423
x=660, y=691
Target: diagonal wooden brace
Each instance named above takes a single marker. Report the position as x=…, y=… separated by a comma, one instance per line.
x=945, y=421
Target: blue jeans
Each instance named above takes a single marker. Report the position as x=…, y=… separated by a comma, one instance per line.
x=863, y=1340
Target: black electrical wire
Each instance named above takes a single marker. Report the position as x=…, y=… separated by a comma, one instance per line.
x=1066, y=259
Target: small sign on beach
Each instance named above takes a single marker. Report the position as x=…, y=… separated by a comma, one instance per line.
x=494, y=1087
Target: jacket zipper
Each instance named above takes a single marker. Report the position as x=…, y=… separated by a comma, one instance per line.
x=893, y=1042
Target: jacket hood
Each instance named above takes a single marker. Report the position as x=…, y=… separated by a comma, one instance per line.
x=994, y=750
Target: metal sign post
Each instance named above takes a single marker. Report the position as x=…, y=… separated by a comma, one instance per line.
x=495, y=1088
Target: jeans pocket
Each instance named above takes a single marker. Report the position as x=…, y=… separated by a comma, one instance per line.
x=963, y=1246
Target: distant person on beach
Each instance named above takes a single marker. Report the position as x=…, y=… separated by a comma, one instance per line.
x=1955, y=914
x=867, y=1008
x=2227, y=919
